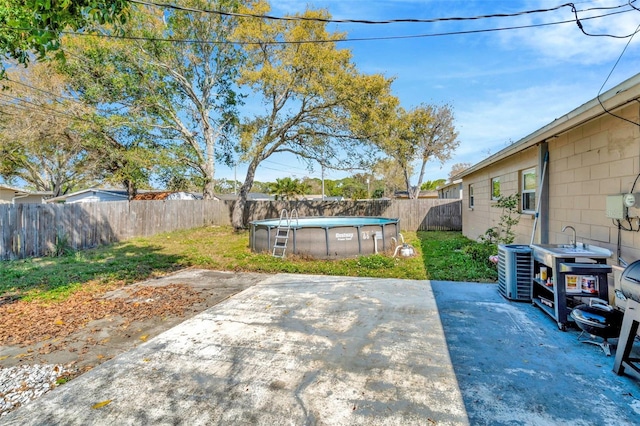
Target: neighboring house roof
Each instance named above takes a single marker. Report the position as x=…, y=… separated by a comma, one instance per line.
x=12, y=188
x=421, y=194
x=165, y=195
x=453, y=184
x=101, y=195
x=253, y=196
x=91, y=195
x=11, y=194
x=319, y=197
x=624, y=93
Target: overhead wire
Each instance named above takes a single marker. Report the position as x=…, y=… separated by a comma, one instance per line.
x=285, y=165
x=34, y=106
x=52, y=96
x=368, y=21
x=611, y=72
x=577, y=19
x=575, y=11
x=581, y=27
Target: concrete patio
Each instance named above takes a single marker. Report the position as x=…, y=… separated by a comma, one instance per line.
x=299, y=349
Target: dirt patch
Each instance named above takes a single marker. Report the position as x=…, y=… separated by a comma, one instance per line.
x=93, y=326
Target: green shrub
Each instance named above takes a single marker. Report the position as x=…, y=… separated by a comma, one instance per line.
x=481, y=252
x=62, y=245
x=510, y=217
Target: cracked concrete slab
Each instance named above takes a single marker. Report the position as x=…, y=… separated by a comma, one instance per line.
x=300, y=349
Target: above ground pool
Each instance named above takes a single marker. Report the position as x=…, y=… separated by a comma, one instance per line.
x=328, y=237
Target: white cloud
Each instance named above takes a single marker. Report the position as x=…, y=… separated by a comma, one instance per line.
x=566, y=42
x=490, y=124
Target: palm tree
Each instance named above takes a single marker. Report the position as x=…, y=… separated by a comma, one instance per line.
x=432, y=185
x=287, y=188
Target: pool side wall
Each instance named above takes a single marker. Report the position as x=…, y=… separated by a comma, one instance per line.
x=329, y=242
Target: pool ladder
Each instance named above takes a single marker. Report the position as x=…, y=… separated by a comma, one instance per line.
x=282, y=232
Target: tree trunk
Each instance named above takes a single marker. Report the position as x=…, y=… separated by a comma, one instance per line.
x=420, y=177
x=209, y=189
x=237, y=217
x=209, y=167
x=407, y=181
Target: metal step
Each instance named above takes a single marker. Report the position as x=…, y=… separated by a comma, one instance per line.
x=282, y=232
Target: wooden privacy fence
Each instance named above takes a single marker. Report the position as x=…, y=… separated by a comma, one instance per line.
x=32, y=230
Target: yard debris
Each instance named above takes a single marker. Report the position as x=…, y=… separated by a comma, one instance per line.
x=26, y=323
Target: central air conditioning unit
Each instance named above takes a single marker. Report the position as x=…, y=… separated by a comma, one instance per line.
x=515, y=272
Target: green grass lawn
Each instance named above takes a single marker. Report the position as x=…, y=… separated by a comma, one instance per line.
x=447, y=257
x=440, y=256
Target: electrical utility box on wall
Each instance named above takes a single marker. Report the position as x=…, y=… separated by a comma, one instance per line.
x=616, y=208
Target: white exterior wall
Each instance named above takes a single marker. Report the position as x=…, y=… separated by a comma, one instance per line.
x=15, y=196
x=94, y=197
x=6, y=196
x=452, y=191
x=29, y=199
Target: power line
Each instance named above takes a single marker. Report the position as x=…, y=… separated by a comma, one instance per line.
x=341, y=40
x=309, y=174
x=52, y=96
x=579, y=23
x=607, y=79
x=33, y=106
x=286, y=165
x=367, y=21
x=576, y=20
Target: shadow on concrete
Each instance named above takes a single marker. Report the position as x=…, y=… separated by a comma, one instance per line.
x=514, y=366
x=294, y=349
x=301, y=349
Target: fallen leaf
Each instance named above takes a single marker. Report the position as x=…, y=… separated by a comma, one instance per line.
x=25, y=323
x=4, y=357
x=101, y=404
x=144, y=337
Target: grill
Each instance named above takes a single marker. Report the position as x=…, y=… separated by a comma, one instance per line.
x=629, y=290
x=630, y=281
x=599, y=319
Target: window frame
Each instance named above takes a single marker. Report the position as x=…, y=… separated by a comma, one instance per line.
x=471, y=197
x=494, y=181
x=524, y=193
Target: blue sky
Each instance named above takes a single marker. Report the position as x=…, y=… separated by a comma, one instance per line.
x=502, y=85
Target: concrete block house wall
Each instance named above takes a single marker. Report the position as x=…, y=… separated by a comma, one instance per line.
x=478, y=219
x=586, y=164
x=592, y=154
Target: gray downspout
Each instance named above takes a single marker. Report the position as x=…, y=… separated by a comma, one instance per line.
x=543, y=219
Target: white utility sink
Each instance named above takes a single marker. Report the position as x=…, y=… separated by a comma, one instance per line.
x=543, y=252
